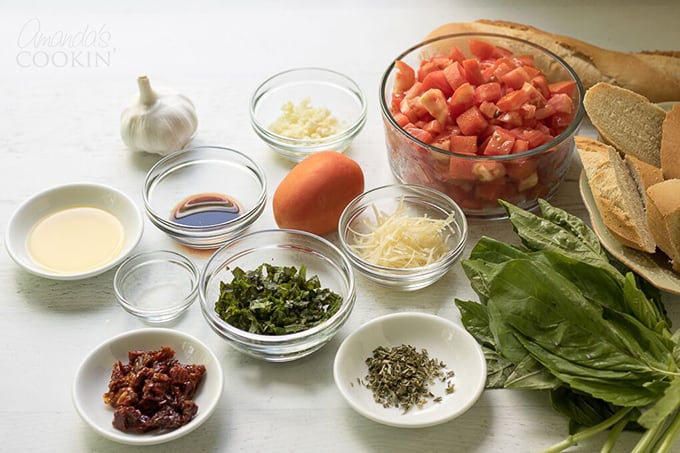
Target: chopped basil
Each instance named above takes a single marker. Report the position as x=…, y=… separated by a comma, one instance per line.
x=275, y=300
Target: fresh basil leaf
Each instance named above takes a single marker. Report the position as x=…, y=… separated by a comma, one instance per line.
x=546, y=314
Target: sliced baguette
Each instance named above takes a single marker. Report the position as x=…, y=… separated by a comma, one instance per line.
x=626, y=120
x=670, y=144
x=615, y=194
x=644, y=175
x=663, y=218
x=655, y=75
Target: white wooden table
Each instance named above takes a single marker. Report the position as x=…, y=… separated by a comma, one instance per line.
x=59, y=111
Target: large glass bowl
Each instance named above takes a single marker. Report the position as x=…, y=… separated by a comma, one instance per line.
x=278, y=248
x=524, y=177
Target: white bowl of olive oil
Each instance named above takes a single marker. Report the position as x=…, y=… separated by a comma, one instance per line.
x=74, y=231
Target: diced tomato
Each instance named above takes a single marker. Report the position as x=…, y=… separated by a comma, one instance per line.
x=535, y=96
x=499, y=143
x=516, y=78
x=562, y=103
x=413, y=109
x=420, y=134
x=463, y=144
x=488, y=170
x=404, y=78
x=512, y=118
x=456, y=55
x=512, y=100
x=481, y=49
x=461, y=100
x=527, y=111
x=520, y=146
x=519, y=169
x=454, y=75
x=401, y=119
x=473, y=73
x=471, y=121
x=541, y=84
x=426, y=67
x=492, y=190
x=437, y=79
x=490, y=92
x=489, y=110
x=561, y=121
x=434, y=127
x=568, y=88
x=524, y=60
x=501, y=52
x=545, y=112
x=435, y=103
x=528, y=183
x=414, y=91
x=462, y=168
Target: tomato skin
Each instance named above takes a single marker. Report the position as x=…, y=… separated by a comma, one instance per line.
x=568, y=88
x=463, y=144
x=437, y=79
x=454, y=75
x=512, y=100
x=490, y=92
x=499, y=143
x=481, y=49
x=405, y=77
x=471, y=121
x=473, y=72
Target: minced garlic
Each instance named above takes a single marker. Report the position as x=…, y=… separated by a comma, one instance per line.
x=303, y=121
x=400, y=240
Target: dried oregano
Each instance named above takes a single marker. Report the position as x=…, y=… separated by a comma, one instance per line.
x=401, y=376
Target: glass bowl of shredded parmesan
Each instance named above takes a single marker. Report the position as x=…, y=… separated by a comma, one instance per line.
x=306, y=110
x=403, y=236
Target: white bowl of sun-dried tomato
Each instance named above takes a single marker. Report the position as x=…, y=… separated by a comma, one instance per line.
x=116, y=388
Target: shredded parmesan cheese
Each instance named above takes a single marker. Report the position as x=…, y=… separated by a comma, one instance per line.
x=303, y=121
x=400, y=240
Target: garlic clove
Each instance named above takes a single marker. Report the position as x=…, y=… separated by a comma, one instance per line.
x=158, y=121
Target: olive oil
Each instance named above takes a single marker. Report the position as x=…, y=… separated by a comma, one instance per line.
x=77, y=239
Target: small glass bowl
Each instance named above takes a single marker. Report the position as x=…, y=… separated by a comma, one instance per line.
x=418, y=201
x=279, y=248
x=520, y=178
x=204, y=170
x=157, y=286
x=324, y=89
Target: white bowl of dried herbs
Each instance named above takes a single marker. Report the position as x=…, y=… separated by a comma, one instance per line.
x=410, y=370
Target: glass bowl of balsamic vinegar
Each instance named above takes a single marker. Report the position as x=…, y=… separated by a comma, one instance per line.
x=204, y=196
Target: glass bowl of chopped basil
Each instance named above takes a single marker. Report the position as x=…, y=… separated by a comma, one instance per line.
x=403, y=236
x=277, y=295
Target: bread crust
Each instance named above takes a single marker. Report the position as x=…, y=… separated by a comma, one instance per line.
x=663, y=218
x=617, y=200
x=656, y=75
x=670, y=144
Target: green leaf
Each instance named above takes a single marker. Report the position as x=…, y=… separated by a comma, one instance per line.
x=664, y=407
x=546, y=314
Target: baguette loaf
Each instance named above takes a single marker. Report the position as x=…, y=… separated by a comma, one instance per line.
x=644, y=175
x=670, y=144
x=663, y=218
x=626, y=120
x=615, y=193
x=655, y=75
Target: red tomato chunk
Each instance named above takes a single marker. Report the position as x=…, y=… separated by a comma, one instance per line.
x=492, y=104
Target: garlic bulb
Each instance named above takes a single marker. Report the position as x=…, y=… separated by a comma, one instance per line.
x=158, y=121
